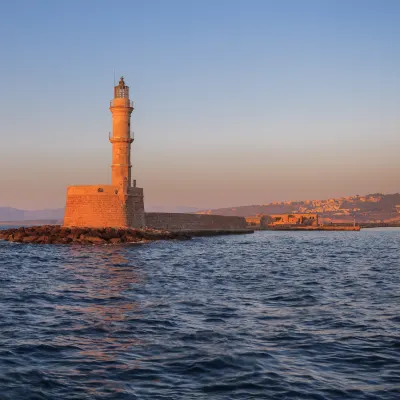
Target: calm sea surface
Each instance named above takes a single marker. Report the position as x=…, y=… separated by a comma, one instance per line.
x=274, y=315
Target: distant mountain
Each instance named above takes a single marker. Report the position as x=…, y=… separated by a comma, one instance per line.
x=14, y=214
x=375, y=207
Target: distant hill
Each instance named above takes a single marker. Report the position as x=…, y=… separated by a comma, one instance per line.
x=375, y=207
x=14, y=214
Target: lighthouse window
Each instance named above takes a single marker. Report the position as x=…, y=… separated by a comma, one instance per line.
x=100, y=190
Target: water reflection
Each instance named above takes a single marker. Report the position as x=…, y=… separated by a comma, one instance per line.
x=101, y=306
x=103, y=273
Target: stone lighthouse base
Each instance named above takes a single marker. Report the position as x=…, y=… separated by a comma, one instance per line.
x=100, y=206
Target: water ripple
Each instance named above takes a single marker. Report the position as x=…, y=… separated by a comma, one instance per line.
x=275, y=315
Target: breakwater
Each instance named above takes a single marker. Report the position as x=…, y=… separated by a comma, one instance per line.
x=193, y=222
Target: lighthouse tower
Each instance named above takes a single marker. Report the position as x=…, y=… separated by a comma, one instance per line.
x=121, y=108
x=121, y=203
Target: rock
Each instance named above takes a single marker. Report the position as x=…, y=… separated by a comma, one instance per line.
x=17, y=237
x=29, y=239
x=77, y=232
x=129, y=237
x=93, y=233
x=95, y=239
x=115, y=240
x=42, y=239
x=121, y=232
x=62, y=240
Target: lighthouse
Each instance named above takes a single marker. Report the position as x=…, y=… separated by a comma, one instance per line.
x=119, y=205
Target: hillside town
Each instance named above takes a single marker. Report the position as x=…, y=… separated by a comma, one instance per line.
x=372, y=208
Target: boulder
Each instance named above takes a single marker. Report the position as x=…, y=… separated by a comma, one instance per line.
x=17, y=237
x=131, y=239
x=29, y=239
x=94, y=239
x=61, y=240
x=42, y=239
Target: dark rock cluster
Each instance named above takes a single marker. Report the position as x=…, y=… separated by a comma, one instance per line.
x=56, y=234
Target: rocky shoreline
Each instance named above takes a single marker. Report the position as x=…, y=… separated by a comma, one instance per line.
x=56, y=234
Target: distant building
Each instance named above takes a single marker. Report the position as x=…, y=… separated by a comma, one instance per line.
x=254, y=220
x=264, y=221
x=289, y=219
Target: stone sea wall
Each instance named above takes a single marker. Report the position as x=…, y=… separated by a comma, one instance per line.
x=193, y=222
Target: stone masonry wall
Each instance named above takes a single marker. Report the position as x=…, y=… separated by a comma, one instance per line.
x=135, y=207
x=180, y=221
x=94, y=206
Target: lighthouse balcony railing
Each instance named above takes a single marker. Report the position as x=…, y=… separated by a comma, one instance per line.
x=129, y=103
x=131, y=136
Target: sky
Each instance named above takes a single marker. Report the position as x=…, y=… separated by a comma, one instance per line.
x=237, y=102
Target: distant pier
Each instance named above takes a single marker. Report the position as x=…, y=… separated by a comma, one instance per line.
x=312, y=228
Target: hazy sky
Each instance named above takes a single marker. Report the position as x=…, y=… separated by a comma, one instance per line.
x=237, y=102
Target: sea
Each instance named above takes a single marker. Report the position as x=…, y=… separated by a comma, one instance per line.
x=269, y=315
